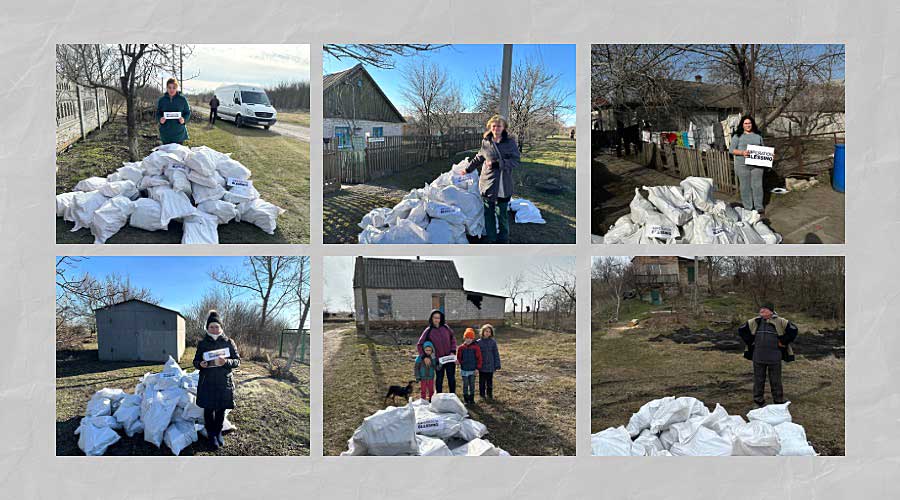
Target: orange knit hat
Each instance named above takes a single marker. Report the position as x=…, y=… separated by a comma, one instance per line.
x=470, y=334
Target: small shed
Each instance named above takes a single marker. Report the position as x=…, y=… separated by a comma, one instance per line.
x=353, y=106
x=135, y=330
x=401, y=293
x=666, y=275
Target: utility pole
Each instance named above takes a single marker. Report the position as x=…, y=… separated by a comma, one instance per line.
x=365, y=294
x=505, y=79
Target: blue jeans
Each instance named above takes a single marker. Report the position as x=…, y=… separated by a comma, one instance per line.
x=468, y=378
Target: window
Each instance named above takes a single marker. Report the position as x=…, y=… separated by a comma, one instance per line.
x=377, y=131
x=690, y=275
x=385, y=307
x=253, y=97
x=437, y=302
x=342, y=137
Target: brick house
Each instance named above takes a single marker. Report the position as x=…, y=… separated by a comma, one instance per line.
x=402, y=292
x=353, y=106
x=658, y=276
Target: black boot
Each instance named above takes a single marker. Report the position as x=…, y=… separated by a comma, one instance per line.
x=490, y=394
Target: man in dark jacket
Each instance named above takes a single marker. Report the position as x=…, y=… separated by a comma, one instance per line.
x=215, y=389
x=768, y=339
x=213, y=109
x=173, y=130
x=441, y=336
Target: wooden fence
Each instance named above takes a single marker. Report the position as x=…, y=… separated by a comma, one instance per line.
x=686, y=162
x=388, y=155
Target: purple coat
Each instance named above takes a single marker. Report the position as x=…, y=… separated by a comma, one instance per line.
x=442, y=338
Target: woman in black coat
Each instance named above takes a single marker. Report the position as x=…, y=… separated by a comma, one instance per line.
x=215, y=390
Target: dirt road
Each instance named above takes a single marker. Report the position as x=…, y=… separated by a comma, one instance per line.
x=286, y=129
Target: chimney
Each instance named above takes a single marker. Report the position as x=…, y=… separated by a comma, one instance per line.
x=461, y=282
x=698, y=78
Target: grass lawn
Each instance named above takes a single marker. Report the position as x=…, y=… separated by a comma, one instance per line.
x=633, y=365
x=280, y=167
x=271, y=416
x=533, y=412
x=553, y=157
x=294, y=117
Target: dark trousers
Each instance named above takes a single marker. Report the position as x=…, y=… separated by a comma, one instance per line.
x=213, y=114
x=450, y=369
x=213, y=420
x=496, y=220
x=486, y=383
x=760, y=371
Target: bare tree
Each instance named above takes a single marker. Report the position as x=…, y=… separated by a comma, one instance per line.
x=515, y=286
x=378, y=55
x=536, y=98
x=270, y=279
x=425, y=85
x=125, y=69
x=610, y=278
x=556, y=278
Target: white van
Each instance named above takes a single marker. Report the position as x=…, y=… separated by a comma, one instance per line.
x=245, y=105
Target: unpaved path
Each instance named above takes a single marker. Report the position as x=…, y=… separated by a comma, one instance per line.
x=298, y=132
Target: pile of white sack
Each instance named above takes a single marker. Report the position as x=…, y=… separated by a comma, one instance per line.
x=439, y=428
x=442, y=212
x=163, y=407
x=684, y=426
x=688, y=214
x=199, y=186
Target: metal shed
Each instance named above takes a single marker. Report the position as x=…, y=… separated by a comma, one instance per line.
x=135, y=330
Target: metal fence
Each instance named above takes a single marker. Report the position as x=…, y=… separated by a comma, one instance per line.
x=388, y=155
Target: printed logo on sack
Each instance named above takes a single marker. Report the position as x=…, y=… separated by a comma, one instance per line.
x=176, y=166
x=663, y=232
x=429, y=424
x=232, y=181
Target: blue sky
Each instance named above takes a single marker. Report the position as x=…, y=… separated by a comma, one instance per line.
x=211, y=65
x=480, y=274
x=177, y=282
x=467, y=62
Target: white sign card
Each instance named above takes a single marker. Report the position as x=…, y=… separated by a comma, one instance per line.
x=760, y=156
x=211, y=355
x=171, y=115
x=450, y=358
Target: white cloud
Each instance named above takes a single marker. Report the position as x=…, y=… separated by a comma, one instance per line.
x=252, y=64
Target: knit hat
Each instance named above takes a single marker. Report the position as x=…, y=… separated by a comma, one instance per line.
x=213, y=318
x=428, y=344
x=470, y=334
x=768, y=305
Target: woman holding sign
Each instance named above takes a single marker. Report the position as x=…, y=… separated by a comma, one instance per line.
x=441, y=336
x=173, y=113
x=216, y=357
x=750, y=178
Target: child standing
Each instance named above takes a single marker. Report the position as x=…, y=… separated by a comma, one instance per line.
x=424, y=371
x=215, y=389
x=490, y=362
x=468, y=355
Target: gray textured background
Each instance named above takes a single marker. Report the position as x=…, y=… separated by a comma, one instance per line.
x=28, y=467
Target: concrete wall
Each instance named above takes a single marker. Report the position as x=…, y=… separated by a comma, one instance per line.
x=411, y=307
x=79, y=110
x=139, y=332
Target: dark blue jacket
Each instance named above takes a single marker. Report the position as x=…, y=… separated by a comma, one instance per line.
x=490, y=355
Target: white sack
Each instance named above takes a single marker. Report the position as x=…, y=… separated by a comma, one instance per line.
x=146, y=215
x=178, y=178
x=83, y=207
x=110, y=218
x=526, y=212
x=472, y=429
x=699, y=191
x=612, y=442
x=793, y=440
x=704, y=443
x=241, y=194
x=173, y=205
x=766, y=233
x=64, y=203
x=677, y=410
x=391, y=431
x=647, y=444
x=447, y=402
x=156, y=162
x=200, y=228
x=260, y=213
x=95, y=435
x=156, y=413
x=225, y=212
x=179, y=435
x=131, y=171
x=438, y=425
x=233, y=169
x=658, y=226
x=127, y=189
x=152, y=181
x=202, y=179
x=641, y=420
x=91, y=184
x=405, y=232
x=442, y=232
x=204, y=160
x=640, y=208
x=670, y=201
x=179, y=151
x=476, y=448
x=755, y=438
x=202, y=194
x=431, y=447
x=451, y=214
x=771, y=414
x=377, y=217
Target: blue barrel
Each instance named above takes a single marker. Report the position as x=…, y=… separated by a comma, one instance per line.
x=839, y=175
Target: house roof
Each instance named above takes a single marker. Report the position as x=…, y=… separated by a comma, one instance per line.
x=486, y=294
x=408, y=274
x=687, y=94
x=332, y=79
x=142, y=302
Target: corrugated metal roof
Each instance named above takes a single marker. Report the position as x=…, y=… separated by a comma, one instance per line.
x=142, y=302
x=408, y=274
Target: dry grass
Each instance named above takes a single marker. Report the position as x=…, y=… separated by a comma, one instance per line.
x=271, y=415
x=627, y=370
x=533, y=412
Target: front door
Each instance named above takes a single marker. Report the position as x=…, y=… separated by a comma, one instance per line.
x=437, y=302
